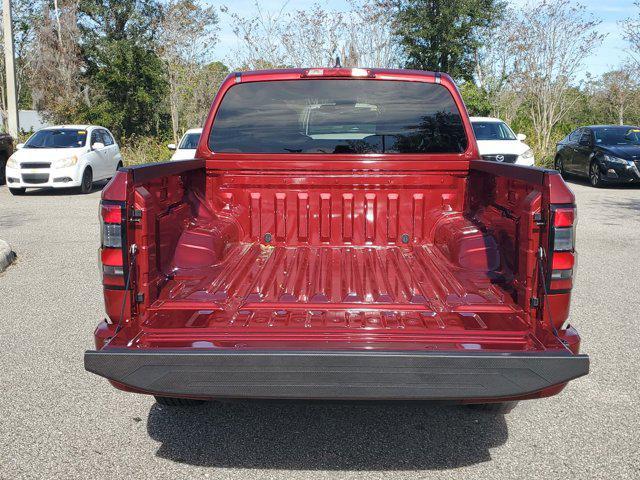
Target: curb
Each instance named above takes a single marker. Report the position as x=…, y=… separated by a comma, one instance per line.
x=7, y=256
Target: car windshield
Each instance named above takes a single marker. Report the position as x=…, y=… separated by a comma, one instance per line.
x=617, y=136
x=338, y=116
x=190, y=141
x=492, y=131
x=62, y=138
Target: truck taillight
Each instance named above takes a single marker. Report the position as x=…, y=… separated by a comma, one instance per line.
x=113, y=243
x=563, y=245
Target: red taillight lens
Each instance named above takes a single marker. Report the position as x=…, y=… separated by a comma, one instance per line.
x=562, y=261
x=564, y=217
x=112, y=251
x=563, y=247
x=112, y=257
x=111, y=213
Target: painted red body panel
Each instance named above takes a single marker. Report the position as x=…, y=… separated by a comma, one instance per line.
x=335, y=252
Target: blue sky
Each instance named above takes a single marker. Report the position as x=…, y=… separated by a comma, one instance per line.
x=607, y=57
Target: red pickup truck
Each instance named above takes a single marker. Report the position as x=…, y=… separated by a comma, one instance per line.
x=338, y=237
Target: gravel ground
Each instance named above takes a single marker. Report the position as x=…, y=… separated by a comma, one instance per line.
x=57, y=421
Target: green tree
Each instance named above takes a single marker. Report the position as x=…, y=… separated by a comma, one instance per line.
x=476, y=99
x=126, y=79
x=444, y=35
x=132, y=85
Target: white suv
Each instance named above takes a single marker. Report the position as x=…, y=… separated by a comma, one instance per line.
x=62, y=157
x=186, y=149
x=498, y=143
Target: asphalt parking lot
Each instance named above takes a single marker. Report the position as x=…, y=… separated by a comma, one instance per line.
x=58, y=421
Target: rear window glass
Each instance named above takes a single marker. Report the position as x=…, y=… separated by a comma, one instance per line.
x=338, y=116
x=190, y=141
x=492, y=131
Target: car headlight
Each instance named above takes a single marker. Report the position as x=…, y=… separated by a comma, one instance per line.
x=12, y=162
x=618, y=161
x=65, y=162
x=527, y=155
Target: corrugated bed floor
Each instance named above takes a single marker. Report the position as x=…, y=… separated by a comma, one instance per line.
x=414, y=275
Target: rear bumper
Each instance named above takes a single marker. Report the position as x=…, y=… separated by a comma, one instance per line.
x=336, y=375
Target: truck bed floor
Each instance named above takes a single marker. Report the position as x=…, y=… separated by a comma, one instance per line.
x=332, y=276
x=260, y=294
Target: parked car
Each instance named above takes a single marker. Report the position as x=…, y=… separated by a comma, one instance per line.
x=361, y=251
x=186, y=149
x=498, y=143
x=64, y=156
x=6, y=150
x=604, y=154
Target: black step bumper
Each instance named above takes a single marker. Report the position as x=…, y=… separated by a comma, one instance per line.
x=336, y=374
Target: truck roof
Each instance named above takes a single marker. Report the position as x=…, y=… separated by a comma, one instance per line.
x=330, y=72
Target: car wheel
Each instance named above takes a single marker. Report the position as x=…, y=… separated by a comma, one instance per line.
x=500, y=407
x=559, y=166
x=87, y=181
x=595, y=177
x=178, y=402
x=18, y=191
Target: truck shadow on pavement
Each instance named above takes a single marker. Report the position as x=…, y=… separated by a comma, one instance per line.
x=326, y=436
x=58, y=192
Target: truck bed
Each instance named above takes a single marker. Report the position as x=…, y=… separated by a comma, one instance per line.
x=407, y=295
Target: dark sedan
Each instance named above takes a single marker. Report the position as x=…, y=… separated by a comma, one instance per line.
x=604, y=154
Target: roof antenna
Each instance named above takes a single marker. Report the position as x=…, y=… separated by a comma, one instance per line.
x=337, y=65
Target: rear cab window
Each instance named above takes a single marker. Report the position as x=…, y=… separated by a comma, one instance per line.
x=338, y=116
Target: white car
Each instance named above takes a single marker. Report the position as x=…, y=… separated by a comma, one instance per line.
x=498, y=143
x=64, y=156
x=186, y=149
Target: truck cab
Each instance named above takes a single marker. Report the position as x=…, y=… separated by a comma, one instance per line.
x=338, y=237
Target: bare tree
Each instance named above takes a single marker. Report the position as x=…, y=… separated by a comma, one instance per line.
x=631, y=33
x=618, y=91
x=311, y=37
x=370, y=41
x=555, y=38
x=187, y=33
x=259, y=38
x=55, y=63
x=495, y=68
x=360, y=36
x=200, y=93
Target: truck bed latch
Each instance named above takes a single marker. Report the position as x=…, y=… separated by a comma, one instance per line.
x=136, y=215
x=537, y=217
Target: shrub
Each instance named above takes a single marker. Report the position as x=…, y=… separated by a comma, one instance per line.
x=138, y=150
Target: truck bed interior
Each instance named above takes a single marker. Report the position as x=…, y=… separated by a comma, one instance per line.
x=406, y=261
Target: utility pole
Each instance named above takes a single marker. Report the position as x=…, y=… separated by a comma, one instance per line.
x=9, y=61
